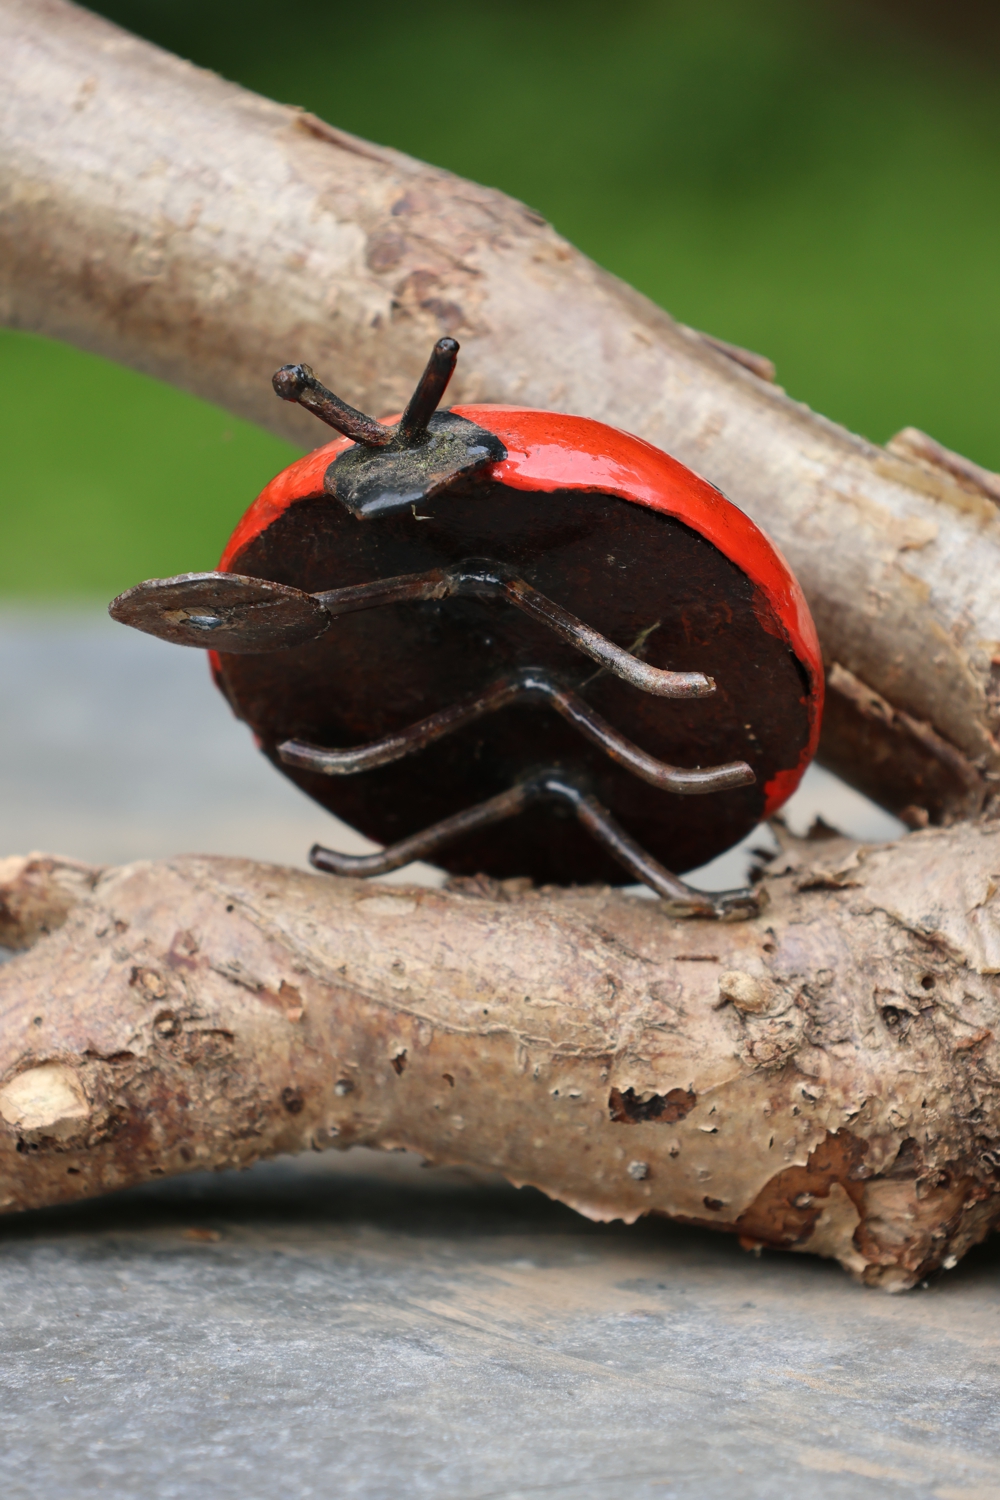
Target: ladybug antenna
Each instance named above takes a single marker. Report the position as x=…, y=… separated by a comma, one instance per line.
x=427, y=397
x=298, y=383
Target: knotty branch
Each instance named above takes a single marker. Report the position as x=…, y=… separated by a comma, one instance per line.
x=824, y=1078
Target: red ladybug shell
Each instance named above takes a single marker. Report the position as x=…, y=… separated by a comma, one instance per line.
x=676, y=561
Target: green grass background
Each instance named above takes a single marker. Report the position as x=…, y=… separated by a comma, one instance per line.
x=817, y=181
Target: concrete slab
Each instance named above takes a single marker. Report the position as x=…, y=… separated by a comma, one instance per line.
x=360, y=1327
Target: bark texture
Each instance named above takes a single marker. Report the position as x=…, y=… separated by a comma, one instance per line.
x=824, y=1078
x=161, y=216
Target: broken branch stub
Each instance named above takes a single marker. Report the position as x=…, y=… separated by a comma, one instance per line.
x=822, y=1078
x=314, y=245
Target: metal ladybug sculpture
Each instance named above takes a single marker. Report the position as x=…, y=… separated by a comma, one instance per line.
x=508, y=641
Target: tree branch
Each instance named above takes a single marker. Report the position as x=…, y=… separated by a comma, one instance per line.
x=824, y=1078
x=156, y=214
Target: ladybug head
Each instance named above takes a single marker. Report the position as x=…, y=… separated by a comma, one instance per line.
x=392, y=467
x=487, y=609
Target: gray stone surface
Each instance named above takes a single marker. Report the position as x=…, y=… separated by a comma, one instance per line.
x=357, y=1326
x=115, y=746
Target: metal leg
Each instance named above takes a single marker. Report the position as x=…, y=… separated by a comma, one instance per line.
x=681, y=900
x=473, y=578
x=244, y=615
x=529, y=684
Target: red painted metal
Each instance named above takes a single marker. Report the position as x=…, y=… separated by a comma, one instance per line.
x=548, y=451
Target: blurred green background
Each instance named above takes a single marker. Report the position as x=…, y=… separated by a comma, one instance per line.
x=818, y=181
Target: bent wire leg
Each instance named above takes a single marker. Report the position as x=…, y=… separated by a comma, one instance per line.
x=304, y=617
x=655, y=680
x=681, y=900
x=425, y=844
x=492, y=580
x=391, y=747
x=528, y=684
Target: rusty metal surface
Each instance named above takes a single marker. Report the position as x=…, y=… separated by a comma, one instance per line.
x=298, y=383
x=482, y=578
x=356, y=1326
x=429, y=391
